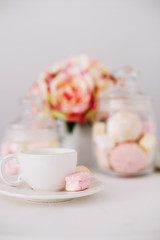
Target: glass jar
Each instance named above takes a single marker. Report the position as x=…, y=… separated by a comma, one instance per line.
x=33, y=129
x=124, y=133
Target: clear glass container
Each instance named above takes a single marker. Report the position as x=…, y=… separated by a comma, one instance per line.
x=33, y=129
x=124, y=133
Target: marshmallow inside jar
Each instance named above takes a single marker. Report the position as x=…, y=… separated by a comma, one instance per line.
x=127, y=159
x=124, y=126
x=127, y=145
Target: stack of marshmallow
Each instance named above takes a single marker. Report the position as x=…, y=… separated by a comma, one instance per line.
x=126, y=144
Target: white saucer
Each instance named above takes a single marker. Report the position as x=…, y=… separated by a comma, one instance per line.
x=24, y=192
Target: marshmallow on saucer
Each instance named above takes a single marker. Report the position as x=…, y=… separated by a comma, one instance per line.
x=82, y=168
x=77, y=181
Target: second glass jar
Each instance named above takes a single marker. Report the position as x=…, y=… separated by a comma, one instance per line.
x=124, y=134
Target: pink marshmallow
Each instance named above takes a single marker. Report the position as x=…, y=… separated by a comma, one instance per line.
x=12, y=168
x=77, y=181
x=128, y=158
x=148, y=127
x=5, y=149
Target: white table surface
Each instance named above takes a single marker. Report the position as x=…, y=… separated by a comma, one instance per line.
x=125, y=209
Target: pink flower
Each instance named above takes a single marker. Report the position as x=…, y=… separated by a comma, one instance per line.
x=70, y=88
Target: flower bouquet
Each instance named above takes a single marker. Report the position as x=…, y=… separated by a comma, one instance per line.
x=70, y=89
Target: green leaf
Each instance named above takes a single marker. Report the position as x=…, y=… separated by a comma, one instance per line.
x=58, y=114
x=70, y=126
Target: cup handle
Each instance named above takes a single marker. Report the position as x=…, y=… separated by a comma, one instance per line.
x=4, y=175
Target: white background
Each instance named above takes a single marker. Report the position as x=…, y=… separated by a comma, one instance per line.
x=36, y=33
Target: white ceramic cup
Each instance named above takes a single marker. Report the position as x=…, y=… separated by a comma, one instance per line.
x=42, y=169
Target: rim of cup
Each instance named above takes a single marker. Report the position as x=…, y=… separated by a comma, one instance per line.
x=48, y=151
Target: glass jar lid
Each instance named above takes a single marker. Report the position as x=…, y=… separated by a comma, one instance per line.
x=32, y=122
x=126, y=93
